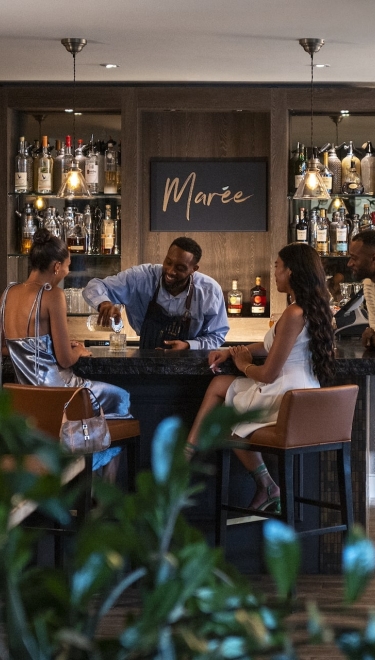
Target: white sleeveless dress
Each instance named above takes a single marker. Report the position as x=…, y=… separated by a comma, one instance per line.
x=34, y=362
x=246, y=394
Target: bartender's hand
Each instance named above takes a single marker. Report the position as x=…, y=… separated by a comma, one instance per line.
x=368, y=338
x=107, y=310
x=176, y=345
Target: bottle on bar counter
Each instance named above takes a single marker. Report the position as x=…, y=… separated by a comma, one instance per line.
x=258, y=299
x=23, y=172
x=45, y=169
x=234, y=300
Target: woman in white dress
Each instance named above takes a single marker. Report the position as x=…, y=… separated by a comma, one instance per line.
x=299, y=354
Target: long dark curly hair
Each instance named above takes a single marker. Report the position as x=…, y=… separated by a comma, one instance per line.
x=308, y=282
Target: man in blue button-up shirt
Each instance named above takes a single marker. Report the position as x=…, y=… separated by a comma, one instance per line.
x=170, y=305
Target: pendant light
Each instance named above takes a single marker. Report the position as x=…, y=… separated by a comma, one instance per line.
x=74, y=184
x=312, y=185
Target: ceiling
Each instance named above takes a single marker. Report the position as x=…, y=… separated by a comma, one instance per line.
x=197, y=41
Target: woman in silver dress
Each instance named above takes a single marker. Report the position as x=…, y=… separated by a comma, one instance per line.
x=34, y=330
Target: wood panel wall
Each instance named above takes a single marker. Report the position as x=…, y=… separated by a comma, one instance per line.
x=226, y=255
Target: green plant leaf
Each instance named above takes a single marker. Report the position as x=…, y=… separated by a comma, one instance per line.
x=282, y=555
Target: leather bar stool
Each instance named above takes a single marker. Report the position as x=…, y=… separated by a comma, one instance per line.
x=45, y=406
x=309, y=421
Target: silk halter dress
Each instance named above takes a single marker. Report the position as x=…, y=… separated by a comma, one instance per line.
x=35, y=363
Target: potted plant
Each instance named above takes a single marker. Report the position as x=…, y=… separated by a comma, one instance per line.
x=193, y=604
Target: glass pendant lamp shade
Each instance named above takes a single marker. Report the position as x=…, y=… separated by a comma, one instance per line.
x=74, y=184
x=311, y=186
x=336, y=203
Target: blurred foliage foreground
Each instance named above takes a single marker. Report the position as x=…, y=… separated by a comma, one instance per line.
x=193, y=604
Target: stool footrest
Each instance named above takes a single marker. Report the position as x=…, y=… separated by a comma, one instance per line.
x=320, y=503
x=322, y=530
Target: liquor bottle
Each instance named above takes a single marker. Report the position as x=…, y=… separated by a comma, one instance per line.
x=300, y=167
x=355, y=226
x=23, y=171
x=332, y=232
x=35, y=152
x=116, y=231
x=45, y=169
x=58, y=166
x=51, y=222
x=291, y=169
x=79, y=157
x=28, y=228
x=322, y=234
x=368, y=170
x=366, y=220
x=302, y=228
x=77, y=236
x=351, y=182
x=258, y=299
x=92, y=169
x=110, y=158
x=234, y=300
x=334, y=165
x=313, y=223
x=108, y=239
x=99, y=147
x=293, y=229
x=346, y=164
x=342, y=234
x=89, y=225
x=326, y=173
x=68, y=156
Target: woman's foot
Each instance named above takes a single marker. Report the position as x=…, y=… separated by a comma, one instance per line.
x=266, y=497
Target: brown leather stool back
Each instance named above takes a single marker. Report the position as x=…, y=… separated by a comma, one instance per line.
x=311, y=417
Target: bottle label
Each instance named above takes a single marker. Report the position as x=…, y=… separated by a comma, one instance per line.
x=44, y=181
x=341, y=235
x=92, y=173
x=257, y=309
x=353, y=186
x=302, y=235
x=342, y=247
x=321, y=235
x=20, y=181
x=327, y=180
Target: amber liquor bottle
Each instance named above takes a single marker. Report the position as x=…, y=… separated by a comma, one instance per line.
x=234, y=300
x=258, y=299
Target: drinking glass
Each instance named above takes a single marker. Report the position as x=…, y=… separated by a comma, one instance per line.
x=117, y=342
x=274, y=319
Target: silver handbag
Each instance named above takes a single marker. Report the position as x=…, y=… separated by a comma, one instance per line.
x=84, y=436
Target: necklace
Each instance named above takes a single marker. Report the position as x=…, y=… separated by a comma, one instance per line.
x=47, y=285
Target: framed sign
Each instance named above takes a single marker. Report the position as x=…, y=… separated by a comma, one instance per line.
x=209, y=195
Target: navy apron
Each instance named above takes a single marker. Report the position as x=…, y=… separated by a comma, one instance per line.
x=158, y=326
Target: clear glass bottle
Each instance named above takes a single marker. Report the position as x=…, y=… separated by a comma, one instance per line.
x=89, y=225
x=58, y=166
x=108, y=237
x=92, y=168
x=313, y=223
x=342, y=234
x=258, y=299
x=326, y=173
x=332, y=232
x=45, y=169
x=68, y=156
x=334, y=165
x=366, y=220
x=346, y=164
x=234, y=300
x=368, y=170
x=110, y=180
x=302, y=228
x=23, y=170
x=28, y=228
x=36, y=150
x=355, y=226
x=351, y=182
x=51, y=222
x=77, y=236
x=116, y=231
x=79, y=156
x=322, y=234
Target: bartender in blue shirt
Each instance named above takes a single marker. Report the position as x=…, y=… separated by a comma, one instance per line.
x=170, y=305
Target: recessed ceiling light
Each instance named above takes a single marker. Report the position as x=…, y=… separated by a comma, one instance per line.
x=110, y=66
x=321, y=66
x=344, y=112
x=78, y=114
x=69, y=110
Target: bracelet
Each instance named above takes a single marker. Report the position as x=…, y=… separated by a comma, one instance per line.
x=246, y=368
